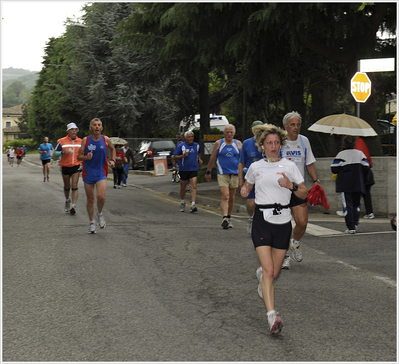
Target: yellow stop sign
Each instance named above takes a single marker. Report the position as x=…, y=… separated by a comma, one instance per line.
x=360, y=87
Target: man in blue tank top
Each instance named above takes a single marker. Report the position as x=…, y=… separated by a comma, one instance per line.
x=249, y=154
x=94, y=154
x=188, y=154
x=226, y=153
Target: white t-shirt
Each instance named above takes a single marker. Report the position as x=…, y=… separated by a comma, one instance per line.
x=300, y=152
x=265, y=176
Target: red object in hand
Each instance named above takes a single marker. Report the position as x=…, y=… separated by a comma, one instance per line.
x=317, y=196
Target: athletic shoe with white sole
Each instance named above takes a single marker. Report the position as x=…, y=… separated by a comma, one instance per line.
x=275, y=323
x=92, y=228
x=182, y=207
x=259, y=274
x=286, y=263
x=369, y=216
x=67, y=205
x=225, y=223
x=101, y=221
x=73, y=209
x=230, y=224
x=342, y=213
x=295, y=252
x=347, y=231
x=193, y=208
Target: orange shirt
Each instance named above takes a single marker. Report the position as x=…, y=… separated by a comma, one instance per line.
x=70, y=149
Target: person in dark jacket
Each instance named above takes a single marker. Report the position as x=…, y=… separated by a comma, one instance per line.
x=353, y=170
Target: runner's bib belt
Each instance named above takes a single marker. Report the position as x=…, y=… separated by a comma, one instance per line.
x=276, y=206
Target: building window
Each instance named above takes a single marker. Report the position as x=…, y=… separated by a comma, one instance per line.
x=8, y=124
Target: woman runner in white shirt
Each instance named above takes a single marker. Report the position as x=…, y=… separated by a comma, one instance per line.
x=274, y=179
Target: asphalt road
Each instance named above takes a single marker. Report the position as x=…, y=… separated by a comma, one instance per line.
x=160, y=285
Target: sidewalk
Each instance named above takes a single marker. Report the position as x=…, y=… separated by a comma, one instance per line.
x=208, y=193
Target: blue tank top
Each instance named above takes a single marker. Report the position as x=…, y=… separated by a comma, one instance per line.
x=97, y=167
x=228, y=158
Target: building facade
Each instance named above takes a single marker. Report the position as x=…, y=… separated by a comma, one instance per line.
x=10, y=126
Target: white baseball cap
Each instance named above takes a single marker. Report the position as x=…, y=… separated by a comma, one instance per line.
x=72, y=126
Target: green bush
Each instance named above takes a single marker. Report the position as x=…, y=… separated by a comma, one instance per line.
x=16, y=143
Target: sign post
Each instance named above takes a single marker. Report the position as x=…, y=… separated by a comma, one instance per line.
x=360, y=88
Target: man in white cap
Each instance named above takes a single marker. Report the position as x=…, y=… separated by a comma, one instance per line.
x=68, y=148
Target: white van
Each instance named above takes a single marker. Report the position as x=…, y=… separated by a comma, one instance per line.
x=216, y=121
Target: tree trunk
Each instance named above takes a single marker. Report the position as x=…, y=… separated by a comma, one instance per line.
x=204, y=109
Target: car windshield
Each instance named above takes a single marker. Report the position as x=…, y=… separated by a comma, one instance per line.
x=163, y=144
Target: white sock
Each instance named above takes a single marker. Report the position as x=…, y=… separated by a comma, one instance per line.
x=294, y=242
x=192, y=203
x=271, y=312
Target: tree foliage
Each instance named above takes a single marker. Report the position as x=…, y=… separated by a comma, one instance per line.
x=142, y=67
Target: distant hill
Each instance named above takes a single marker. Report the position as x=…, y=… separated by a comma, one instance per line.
x=28, y=78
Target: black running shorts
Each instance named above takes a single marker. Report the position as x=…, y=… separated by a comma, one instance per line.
x=266, y=234
x=187, y=175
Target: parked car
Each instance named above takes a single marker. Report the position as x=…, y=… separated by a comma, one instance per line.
x=387, y=133
x=148, y=149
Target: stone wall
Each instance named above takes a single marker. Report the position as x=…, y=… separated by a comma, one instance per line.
x=383, y=193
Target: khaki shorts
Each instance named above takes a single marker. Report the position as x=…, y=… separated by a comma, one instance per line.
x=228, y=180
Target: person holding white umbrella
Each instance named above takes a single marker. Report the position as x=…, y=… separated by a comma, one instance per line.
x=353, y=170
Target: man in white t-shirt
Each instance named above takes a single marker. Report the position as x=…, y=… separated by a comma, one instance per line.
x=299, y=151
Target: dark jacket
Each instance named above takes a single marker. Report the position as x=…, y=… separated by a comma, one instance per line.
x=352, y=169
x=129, y=156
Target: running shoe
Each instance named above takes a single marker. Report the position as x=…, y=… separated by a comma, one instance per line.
x=92, y=228
x=67, y=205
x=259, y=277
x=230, y=224
x=295, y=252
x=193, y=208
x=101, y=221
x=73, y=209
x=369, y=216
x=286, y=263
x=225, y=223
x=115, y=186
x=44, y=179
x=259, y=273
x=249, y=227
x=119, y=187
x=124, y=185
x=275, y=323
x=341, y=213
x=182, y=207
x=347, y=231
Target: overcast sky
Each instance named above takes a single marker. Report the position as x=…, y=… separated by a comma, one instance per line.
x=26, y=27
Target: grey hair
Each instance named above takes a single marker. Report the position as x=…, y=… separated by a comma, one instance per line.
x=234, y=128
x=291, y=115
x=188, y=132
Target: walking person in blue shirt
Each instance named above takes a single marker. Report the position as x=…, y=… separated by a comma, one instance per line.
x=188, y=154
x=46, y=150
x=226, y=153
x=249, y=154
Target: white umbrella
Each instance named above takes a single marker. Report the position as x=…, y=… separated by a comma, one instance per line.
x=118, y=141
x=343, y=124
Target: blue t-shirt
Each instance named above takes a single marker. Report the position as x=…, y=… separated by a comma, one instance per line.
x=249, y=152
x=45, y=147
x=228, y=158
x=189, y=163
